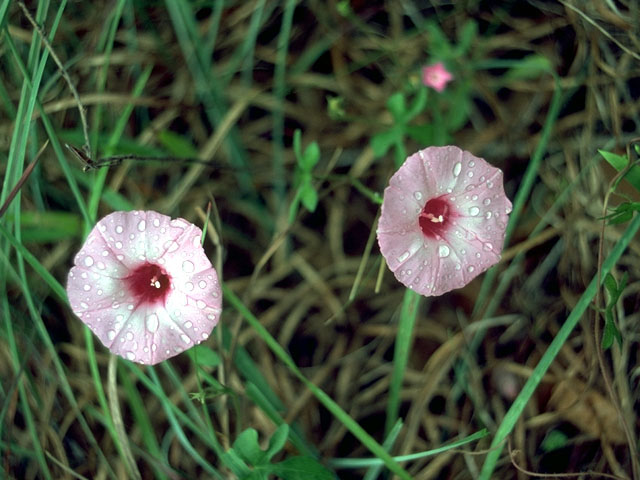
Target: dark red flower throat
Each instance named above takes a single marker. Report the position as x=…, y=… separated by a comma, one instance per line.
x=435, y=218
x=149, y=283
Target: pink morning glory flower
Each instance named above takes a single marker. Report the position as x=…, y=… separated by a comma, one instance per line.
x=443, y=219
x=143, y=284
x=436, y=76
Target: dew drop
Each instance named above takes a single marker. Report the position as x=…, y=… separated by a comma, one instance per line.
x=129, y=336
x=188, y=324
x=152, y=322
x=470, y=174
x=417, y=195
x=202, y=284
x=487, y=246
x=486, y=201
x=489, y=184
x=211, y=316
x=443, y=251
x=131, y=356
x=188, y=266
x=156, y=222
x=111, y=334
x=456, y=169
x=84, y=305
x=142, y=226
x=474, y=197
x=185, y=339
x=189, y=286
x=487, y=215
x=470, y=268
x=86, y=287
x=118, y=245
x=404, y=256
x=200, y=304
x=472, y=164
x=88, y=261
x=473, y=211
x=119, y=229
x=458, y=266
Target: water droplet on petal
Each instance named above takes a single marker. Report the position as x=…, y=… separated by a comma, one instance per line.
x=189, y=286
x=202, y=284
x=142, y=225
x=417, y=195
x=188, y=266
x=118, y=245
x=404, y=256
x=487, y=215
x=443, y=251
x=470, y=268
x=456, y=169
x=84, y=305
x=185, y=339
x=88, y=261
x=156, y=222
x=473, y=211
x=472, y=164
x=487, y=246
x=131, y=356
x=152, y=322
x=129, y=336
x=111, y=334
x=188, y=324
x=486, y=201
x=470, y=174
x=200, y=304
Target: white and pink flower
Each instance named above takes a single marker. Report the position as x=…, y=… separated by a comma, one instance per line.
x=144, y=286
x=443, y=219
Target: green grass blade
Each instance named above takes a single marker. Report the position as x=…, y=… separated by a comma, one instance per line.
x=366, y=439
x=512, y=416
x=404, y=340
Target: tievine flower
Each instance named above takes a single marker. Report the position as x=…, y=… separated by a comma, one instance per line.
x=443, y=219
x=144, y=286
x=436, y=76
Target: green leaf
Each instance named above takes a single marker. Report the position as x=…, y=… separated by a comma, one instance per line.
x=204, y=356
x=177, y=145
x=310, y=157
x=247, y=448
x=611, y=285
x=554, y=440
x=277, y=441
x=531, y=66
x=620, y=162
x=397, y=105
x=438, y=41
x=466, y=36
x=381, y=142
x=610, y=332
x=309, y=197
x=423, y=134
x=302, y=468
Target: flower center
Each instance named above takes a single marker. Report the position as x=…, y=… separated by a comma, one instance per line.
x=149, y=283
x=435, y=218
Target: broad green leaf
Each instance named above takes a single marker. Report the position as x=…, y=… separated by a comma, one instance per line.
x=397, y=105
x=177, y=145
x=620, y=162
x=204, y=356
x=611, y=285
x=309, y=197
x=310, y=157
x=381, y=142
x=302, y=468
x=247, y=448
x=277, y=441
x=554, y=440
x=528, y=67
